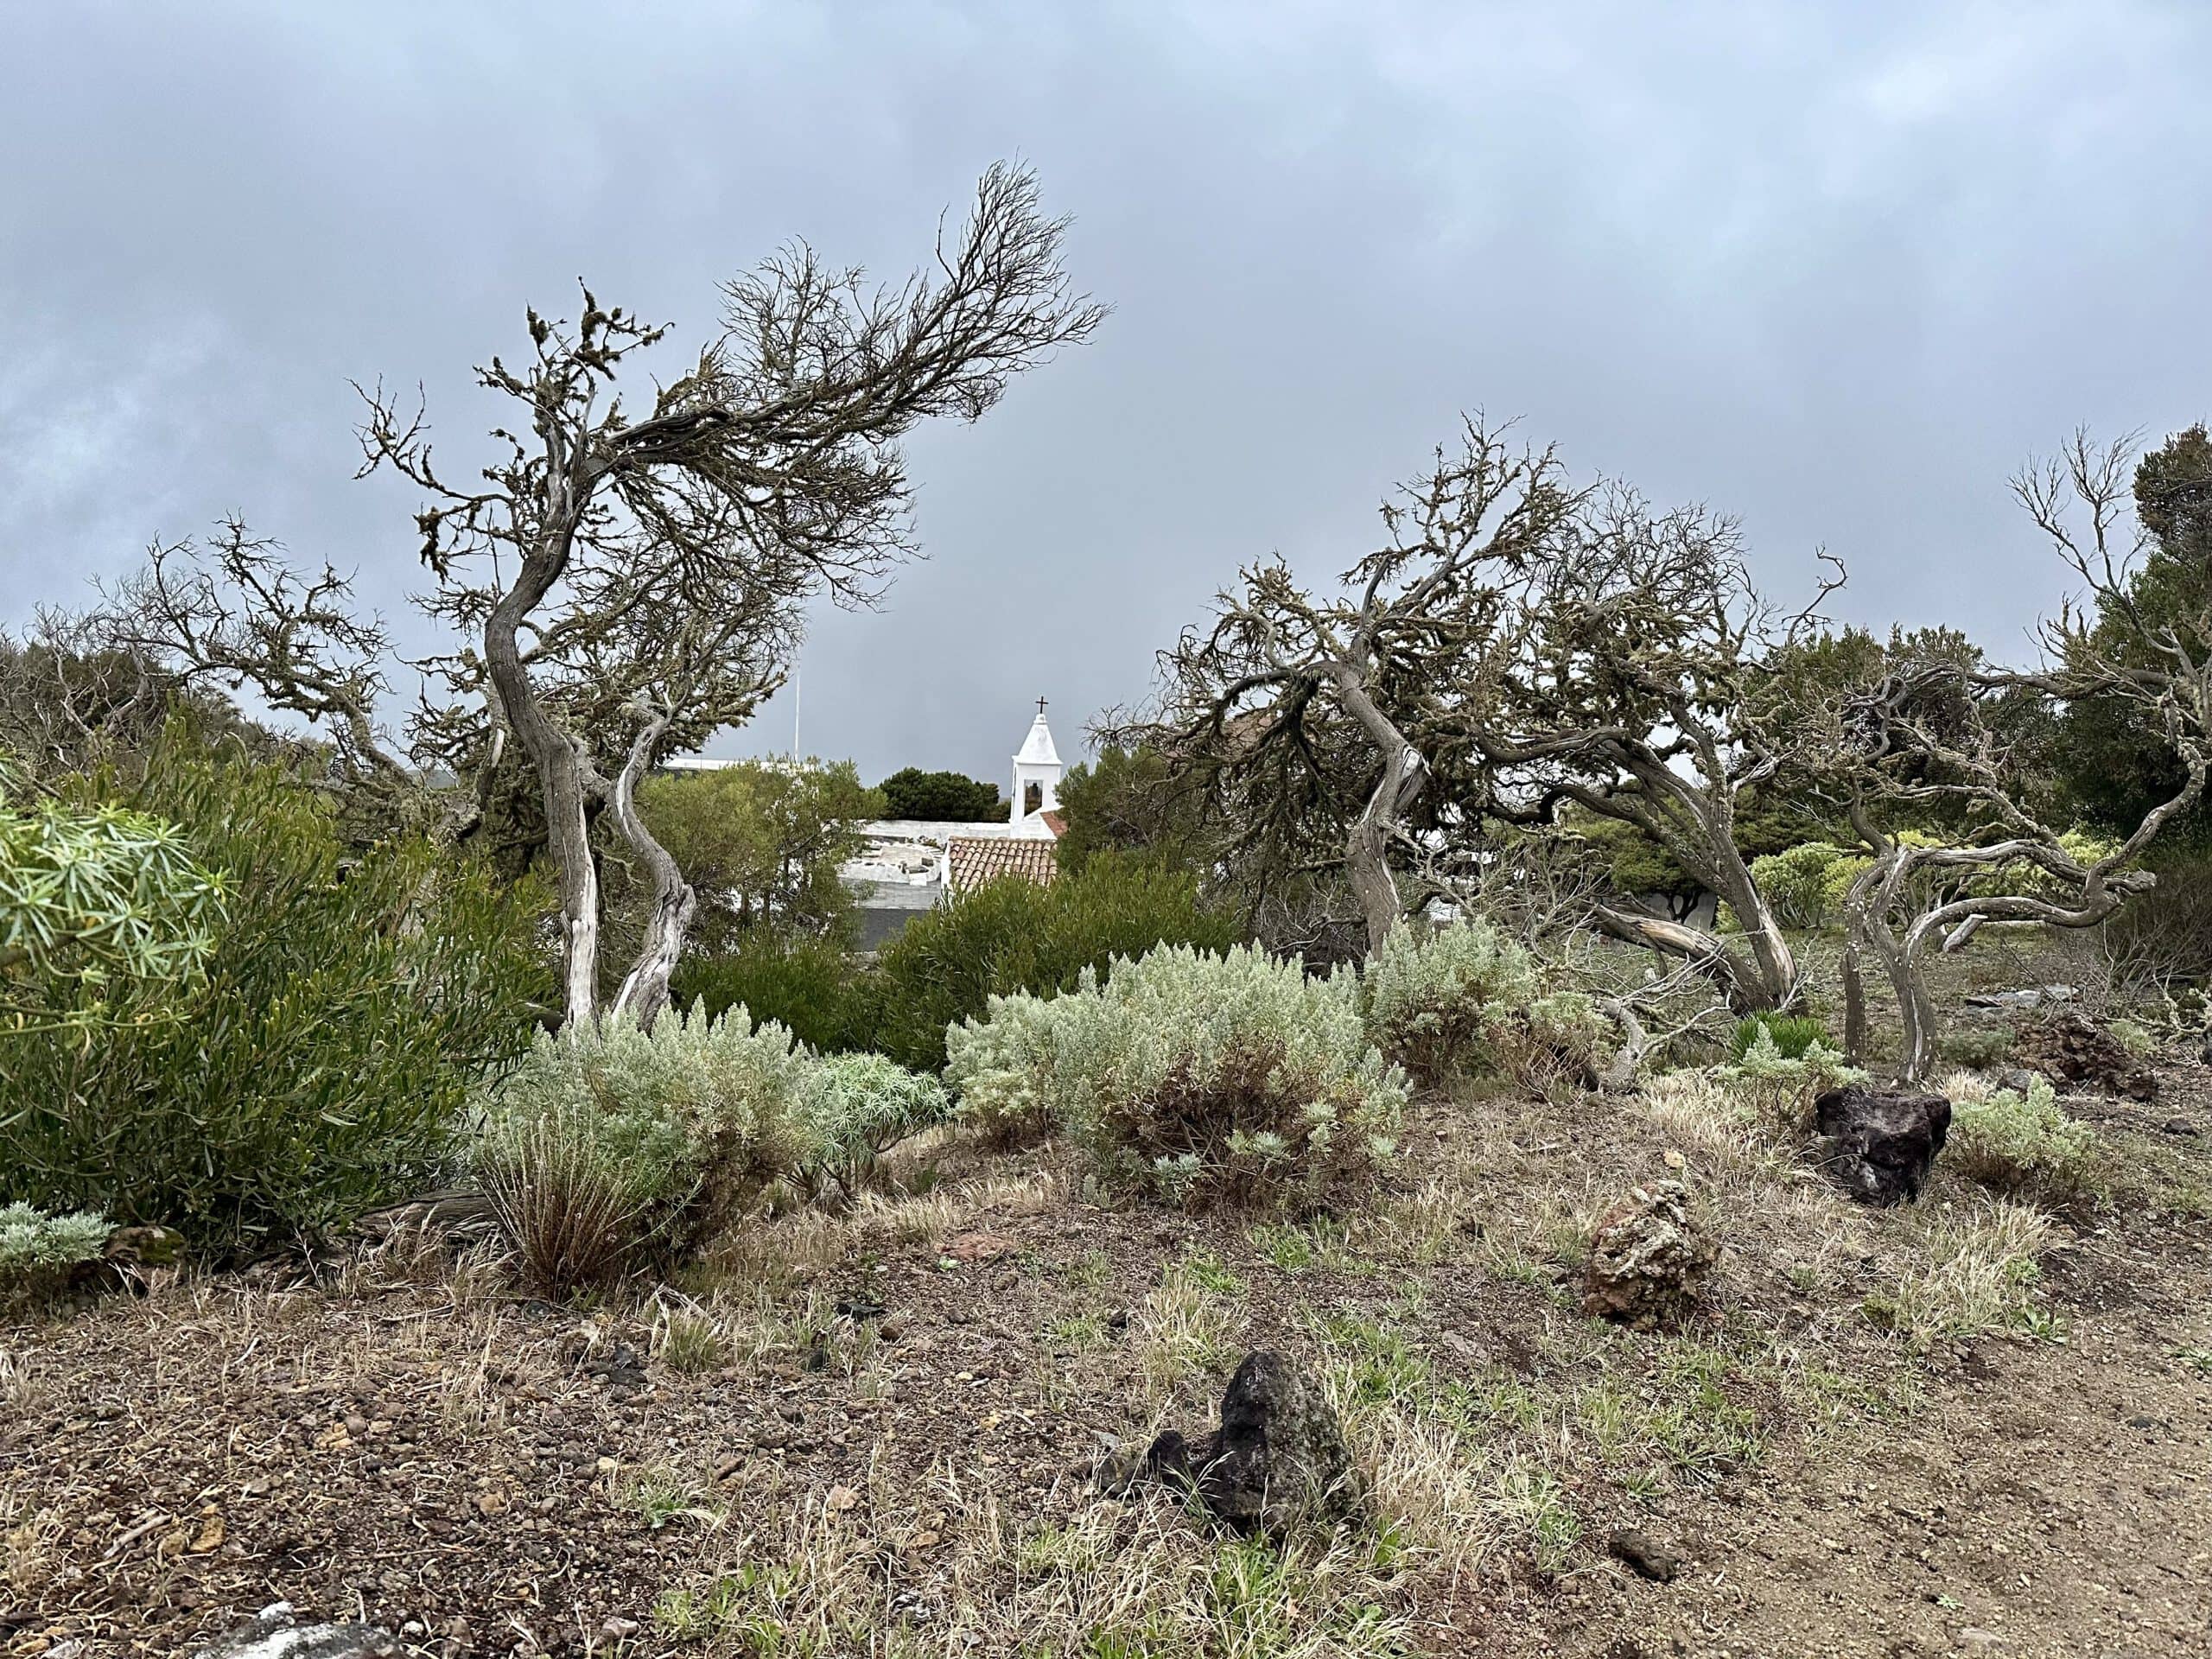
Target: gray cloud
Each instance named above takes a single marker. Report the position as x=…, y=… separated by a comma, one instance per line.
x=1835, y=269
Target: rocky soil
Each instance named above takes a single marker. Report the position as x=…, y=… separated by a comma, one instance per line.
x=901, y=1412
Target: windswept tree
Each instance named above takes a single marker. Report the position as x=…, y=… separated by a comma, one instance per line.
x=1301, y=718
x=1949, y=796
x=628, y=576
x=1521, y=647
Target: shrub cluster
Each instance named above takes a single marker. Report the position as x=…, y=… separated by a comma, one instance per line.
x=1465, y=1000
x=804, y=981
x=1004, y=938
x=2026, y=1147
x=314, y=1063
x=1777, y=1089
x=1014, y=936
x=37, y=1250
x=1805, y=884
x=609, y=1146
x=1791, y=1034
x=1191, y=1074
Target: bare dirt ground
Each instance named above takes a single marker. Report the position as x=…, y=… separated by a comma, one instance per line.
x=875, y=1434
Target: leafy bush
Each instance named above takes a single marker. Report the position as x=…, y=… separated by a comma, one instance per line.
x=1777, y=1089
x=314, y=1066
x=2026, y=1147
x=29, y=1238
x=1014, y=935
x=808, y=984
x=1805, y=884
x=761, y=841
x=90, y=896
x=1792, y=1034
x=2134, y=1038
x=1465, y=1000
x=653, y=1137
x=1234, y=1076
x=861, y=1106
x=2162, y=939
x=37, y=1250
x=1003, y=1068
x=1979, y=1048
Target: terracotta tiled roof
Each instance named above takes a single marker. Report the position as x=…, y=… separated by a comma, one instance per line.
x=1056, y=821
x=974, y=860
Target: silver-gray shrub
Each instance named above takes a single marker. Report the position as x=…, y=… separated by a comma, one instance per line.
x=1464, y=1001
x=608, y=1144
x=1192, y=1074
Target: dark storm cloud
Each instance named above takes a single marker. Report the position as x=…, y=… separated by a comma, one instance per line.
x=1836, y=268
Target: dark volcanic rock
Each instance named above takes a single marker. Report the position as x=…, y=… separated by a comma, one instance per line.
x=2071, y=1048
x=1878, y=1146
x=1649, y=1258
x=1278, y=1462
x=1652, y=1559
x=275, y=1635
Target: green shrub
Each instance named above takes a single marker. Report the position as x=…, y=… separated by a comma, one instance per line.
x=1778, y=1089
x=659, y=1135
x=2026, y=1147
x=1194, y=1075
x=314, y=1066
x=806, y=983
x=2134, y=1038
x=1463, y=1000
x=92, y=898
x=860, y=1107
x=1805, y=884
x=37, y=1250
x=1976, y=1048
x=1793, y=1033
x=1014, y=936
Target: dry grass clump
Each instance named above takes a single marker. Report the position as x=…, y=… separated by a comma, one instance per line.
x=844, y=1575
x=1696, y=1111
x=689, y=1341
x=1182, y=1329
x=28, y=1536
x=1972, y=1268
x=925, y=1220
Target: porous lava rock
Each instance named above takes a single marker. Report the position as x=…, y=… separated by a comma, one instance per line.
x=1649, y=1259
x=2071, y=1048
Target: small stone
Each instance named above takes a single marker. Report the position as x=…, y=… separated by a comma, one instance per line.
x=274, y=1634
x=1640, y=1550
x=976, y=1248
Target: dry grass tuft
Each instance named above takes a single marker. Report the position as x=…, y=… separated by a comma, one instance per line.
x=1974, y=1264
x=925, y=1221
x=1111, y=1579
x=1183, y=1331
x=27, y=1537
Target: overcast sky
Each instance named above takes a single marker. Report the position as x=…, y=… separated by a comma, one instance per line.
x=1837, y=269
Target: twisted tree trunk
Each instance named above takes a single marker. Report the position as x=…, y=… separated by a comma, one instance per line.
x=645, y=989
